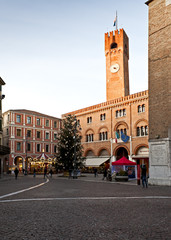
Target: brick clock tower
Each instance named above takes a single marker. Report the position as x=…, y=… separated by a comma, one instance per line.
x=117, y=72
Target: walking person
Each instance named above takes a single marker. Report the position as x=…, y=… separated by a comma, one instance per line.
x=34, y=172
x=144, y=176
x=95, y=172
x=105, y=174
x=16, y=173
x=45, y=172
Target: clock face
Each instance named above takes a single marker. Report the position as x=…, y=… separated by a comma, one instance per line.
x=114, y=68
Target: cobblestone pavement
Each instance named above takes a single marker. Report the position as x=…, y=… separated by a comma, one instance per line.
x=83, y=208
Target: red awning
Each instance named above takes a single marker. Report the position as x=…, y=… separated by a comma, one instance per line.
x=43, y=156
x=123, y=161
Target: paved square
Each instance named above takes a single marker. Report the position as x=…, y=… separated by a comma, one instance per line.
x=84, y=208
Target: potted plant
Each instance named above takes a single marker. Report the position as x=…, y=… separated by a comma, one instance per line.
x=121, y=176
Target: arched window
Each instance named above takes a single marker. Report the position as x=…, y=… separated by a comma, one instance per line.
x=113, y=45
x=89, y=138
x=103, y=116
x=139, y=109
x=103, y=136
x=142, y=131
x=143, y=108
x=146, y=130
x=138, y=131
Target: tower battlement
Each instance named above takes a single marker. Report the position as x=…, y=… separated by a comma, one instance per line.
x=116, y=39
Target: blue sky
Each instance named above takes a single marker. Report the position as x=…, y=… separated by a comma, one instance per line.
x=52, y=51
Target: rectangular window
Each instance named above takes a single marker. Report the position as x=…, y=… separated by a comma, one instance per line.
x=18, y=132
x=47, y=148
x=18, y=118
x=89, y=119
x=55, y=136
x=38, y=134
x=38, y=121
x=55, y=124
x=47, y=135
x=28, y=133
x=18, y=146
x=7, y=131
x=102, y=117
x=47, y=123
x=28, y=120
x=55, y=148
x=38, y=147
x=28, y=147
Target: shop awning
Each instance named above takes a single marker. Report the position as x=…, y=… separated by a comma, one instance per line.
x=95, y=162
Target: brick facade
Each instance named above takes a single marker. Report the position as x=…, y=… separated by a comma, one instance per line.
x=160, y=91
x=159, y=68
x=28, y=134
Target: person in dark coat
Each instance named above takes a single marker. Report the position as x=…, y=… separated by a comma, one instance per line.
x=16, y=173
x=95, y=172
x=45, y=172
x=105, y=174
x=34, y=172
x=144, y=176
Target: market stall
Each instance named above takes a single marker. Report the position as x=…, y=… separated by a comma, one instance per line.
x=126, y=165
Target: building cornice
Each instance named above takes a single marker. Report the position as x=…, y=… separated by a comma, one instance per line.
x=30, y=112
x=118, y=102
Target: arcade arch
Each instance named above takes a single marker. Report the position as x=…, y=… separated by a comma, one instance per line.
x=121, y=151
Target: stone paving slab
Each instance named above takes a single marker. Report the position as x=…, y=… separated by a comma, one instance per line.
x=84, y=208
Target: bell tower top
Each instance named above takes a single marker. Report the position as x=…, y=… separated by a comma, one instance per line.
x=117, y=72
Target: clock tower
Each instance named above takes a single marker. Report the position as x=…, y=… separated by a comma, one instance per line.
x=117, y=72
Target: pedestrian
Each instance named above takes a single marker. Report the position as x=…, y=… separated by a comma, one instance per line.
x=34, y=172
x=70, y=172
x=45, y=172
x=23, y=171
x=144, y=176
x=105, y=174
x=16, y=173
x=95, y=172
x=109, y=175
x=50, y=172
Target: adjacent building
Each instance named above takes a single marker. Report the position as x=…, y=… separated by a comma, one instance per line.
x=3, y=149
x=160, y=91
x=31, y=136
x=119, y=126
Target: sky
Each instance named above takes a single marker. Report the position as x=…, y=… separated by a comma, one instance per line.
x=52, y=52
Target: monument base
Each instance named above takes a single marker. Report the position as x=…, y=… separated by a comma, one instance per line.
x=160, y=162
